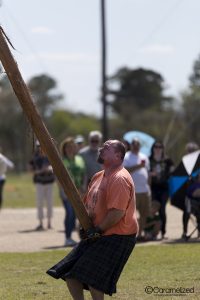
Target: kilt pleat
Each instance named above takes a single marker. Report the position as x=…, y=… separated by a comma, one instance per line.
x=97, y=263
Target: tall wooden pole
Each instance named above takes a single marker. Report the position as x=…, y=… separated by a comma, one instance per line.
x=41, y=131
x=103, y=71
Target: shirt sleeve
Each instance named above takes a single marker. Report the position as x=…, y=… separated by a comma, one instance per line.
x=8, y=162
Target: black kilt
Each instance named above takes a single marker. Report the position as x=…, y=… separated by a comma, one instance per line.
x=96, y=263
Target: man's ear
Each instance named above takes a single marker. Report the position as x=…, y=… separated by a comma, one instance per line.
x=118, y=155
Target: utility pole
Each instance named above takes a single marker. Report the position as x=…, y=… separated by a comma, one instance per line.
x=103, y=76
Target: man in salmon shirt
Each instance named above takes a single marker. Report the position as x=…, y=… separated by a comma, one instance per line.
x=98, y=260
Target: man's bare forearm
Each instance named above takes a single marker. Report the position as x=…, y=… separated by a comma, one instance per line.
x=112, y=218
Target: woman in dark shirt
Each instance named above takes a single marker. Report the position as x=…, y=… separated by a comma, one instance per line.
x=160, y=168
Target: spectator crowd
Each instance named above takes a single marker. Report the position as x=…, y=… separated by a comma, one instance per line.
x=150, y=175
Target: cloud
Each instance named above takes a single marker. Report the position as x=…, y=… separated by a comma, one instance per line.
x=42, y=30
x=157, y=49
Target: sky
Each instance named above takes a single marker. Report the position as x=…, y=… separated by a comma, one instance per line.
x=63, y=40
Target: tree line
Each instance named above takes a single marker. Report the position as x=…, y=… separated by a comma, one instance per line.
x=137, y=101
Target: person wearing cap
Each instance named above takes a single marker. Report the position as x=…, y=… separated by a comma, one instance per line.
x=80, y=142
x=90, y=155
x=43, y=178
x=137, y=164
x=98, y=260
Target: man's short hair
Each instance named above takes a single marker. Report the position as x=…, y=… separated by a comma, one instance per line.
x=95, y=133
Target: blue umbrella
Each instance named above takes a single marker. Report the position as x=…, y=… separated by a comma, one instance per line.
x=145, y=139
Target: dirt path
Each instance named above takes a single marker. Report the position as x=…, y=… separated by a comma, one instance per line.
x=17, y=232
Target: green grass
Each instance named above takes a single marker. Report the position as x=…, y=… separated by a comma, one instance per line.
x=23, y=277
x=19, y=192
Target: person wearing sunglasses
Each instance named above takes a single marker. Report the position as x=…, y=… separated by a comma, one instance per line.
x=160, y=168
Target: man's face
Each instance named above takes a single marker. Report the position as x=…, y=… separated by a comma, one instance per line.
x=107, y=154
x=95, y=142
x=135, y=146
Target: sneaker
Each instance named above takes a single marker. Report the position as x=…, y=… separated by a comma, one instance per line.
x=184, y=236
x=39, y=228
x=70, y=243
x=163, y=237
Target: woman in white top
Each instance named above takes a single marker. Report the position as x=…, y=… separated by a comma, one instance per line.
x=5, y=163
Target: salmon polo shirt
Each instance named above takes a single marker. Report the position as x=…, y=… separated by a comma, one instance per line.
x=113, y=191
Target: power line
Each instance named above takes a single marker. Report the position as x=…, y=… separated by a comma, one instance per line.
x=27, y=41
x=163, y=21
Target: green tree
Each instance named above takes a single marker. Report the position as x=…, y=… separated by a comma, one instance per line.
x=194, y=79
x=138, y=90
x=15, y=132
x=191, y=104
x=13, y=125
x=139, y=102
x=64, y=123
x=43, y=89
x=16, y=135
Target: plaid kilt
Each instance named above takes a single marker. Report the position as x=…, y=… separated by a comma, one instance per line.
x=96, y=263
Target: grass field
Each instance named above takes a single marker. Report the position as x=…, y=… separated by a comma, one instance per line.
x=19, y=192
x=23, y=277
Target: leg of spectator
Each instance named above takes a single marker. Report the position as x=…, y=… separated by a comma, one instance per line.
x=39, y=200
x=163, y=202
x=1, y=192
x=49, y=200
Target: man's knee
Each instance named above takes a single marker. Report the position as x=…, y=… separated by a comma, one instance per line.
x=75, y=288
x=96, y=294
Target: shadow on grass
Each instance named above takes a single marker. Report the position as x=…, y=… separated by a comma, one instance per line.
x=170, y=241
x=30, y=230
x=182, y=241
x=54, y=247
